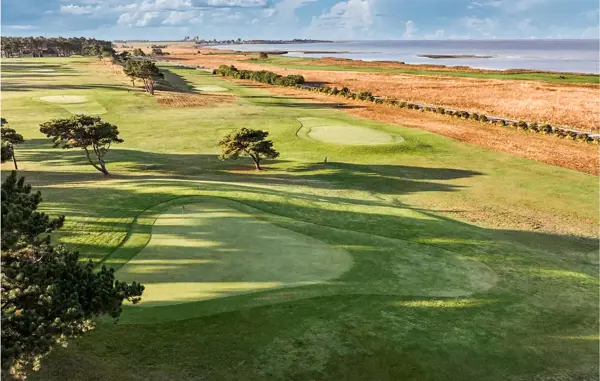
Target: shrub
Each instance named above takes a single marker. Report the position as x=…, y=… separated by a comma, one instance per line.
x=483, y=118
x=475, y=116
x=546, y=129
x=596, y=140
x=572, y=135
x=450, y=112
x=521, y=125
x=584, y=137
x=503, y=123
x=403, y=105
x=440, y=110
x=263, y=55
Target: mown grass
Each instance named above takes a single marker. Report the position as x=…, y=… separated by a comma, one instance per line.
x=297, y=63
x=467, y=264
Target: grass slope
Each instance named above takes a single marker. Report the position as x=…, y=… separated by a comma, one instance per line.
x=467, y=264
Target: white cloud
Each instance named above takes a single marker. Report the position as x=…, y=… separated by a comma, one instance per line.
x=483, y=27
x=138, y=19
x=345, y=18
x=237, y=3
x=73, y=9
x=409, y=29
x=19, y=27
x=269, y=12
x=179, y=18
x=439, y=34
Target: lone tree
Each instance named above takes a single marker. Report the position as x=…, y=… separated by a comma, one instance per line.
x=144, y=70
x=10, y=138
x=86, y=132
x=138, y=52
x=247, y=142
x=48, y=296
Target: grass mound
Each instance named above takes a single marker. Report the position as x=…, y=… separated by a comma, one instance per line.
x=205, y=251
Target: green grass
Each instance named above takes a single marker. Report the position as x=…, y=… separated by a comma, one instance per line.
x=466, y=264
x=200, y=251
x=296, y=63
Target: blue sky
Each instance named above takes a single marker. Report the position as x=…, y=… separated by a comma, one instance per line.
x=319, y=19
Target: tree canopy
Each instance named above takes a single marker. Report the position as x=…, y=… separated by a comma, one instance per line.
x=247, y=142
x=39, y=46
x=47, y=295
x=10, y=138
x=85, y=132
x=144, y=70
x=138, y=52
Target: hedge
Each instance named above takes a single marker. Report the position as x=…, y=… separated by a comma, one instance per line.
x=262, y=76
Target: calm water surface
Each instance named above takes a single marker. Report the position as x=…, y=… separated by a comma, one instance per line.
x=554, y=55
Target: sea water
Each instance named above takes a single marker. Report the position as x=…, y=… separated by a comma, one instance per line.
x=552, y=55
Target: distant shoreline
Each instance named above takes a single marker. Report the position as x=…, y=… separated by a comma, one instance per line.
x=451, y=56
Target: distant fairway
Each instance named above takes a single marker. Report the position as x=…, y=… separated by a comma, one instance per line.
x=204, y=251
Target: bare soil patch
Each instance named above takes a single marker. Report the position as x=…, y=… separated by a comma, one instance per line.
x=174, y=99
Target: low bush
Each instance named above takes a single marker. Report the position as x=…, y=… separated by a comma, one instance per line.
x=521, y=125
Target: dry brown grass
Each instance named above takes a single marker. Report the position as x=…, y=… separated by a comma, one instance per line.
x=572, y=105
x=176, y=99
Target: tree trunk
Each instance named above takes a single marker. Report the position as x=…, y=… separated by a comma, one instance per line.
x=14, y=158
x=103, y=168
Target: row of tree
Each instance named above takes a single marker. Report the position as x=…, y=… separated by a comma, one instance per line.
x=60, y=46
x=262, y=76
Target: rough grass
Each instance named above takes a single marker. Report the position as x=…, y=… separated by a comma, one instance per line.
x=403, y=212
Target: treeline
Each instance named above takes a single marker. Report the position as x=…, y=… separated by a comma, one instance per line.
x=262, y=76
x=53, y=46
x=534, y=127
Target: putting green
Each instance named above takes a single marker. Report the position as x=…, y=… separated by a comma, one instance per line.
x=332, y=132
x=211, y=89
x=64, y=99
x=204, y=251
x=76, y=104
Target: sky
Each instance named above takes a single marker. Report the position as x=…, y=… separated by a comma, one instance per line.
x=314, y=19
